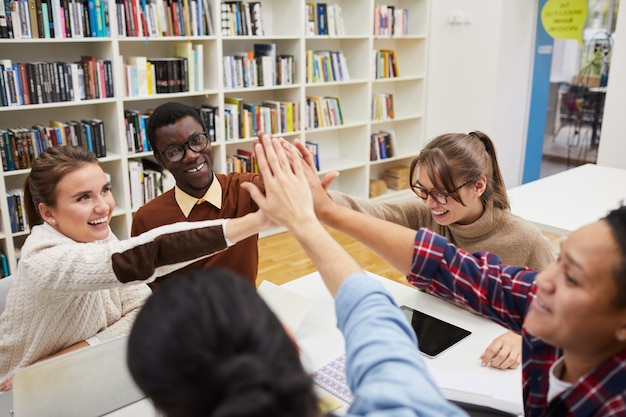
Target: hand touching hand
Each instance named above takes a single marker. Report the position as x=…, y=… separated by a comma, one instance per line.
x=287, y=200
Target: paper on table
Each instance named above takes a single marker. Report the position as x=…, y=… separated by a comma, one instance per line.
x=287, y=305
x=487, y=390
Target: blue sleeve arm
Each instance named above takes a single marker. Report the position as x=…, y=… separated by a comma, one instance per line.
x=385, y=370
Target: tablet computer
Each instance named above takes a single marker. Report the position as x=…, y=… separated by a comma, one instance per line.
x=433, y=335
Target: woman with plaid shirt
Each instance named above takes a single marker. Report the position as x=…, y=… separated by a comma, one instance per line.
x=572, y=315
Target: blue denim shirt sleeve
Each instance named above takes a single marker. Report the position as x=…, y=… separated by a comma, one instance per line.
x=385, y=370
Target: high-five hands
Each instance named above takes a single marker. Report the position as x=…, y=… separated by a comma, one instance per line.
x=288, y=200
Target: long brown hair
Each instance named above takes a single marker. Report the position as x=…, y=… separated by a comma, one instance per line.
x=46, y=172
x=453, y=158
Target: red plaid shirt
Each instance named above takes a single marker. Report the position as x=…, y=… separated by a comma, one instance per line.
x=504, y=293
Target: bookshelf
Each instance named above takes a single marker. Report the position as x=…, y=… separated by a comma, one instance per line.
x=344, y=148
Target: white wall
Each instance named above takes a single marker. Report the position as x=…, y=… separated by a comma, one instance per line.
x=479, y=74
x=612, y=148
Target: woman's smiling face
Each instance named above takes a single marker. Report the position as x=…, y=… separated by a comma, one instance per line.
x=84, y=205
x=574, y=304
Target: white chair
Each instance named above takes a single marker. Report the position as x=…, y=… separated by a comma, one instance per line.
x=5, y=284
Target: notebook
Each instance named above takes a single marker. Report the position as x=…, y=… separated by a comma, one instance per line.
x=88, y=382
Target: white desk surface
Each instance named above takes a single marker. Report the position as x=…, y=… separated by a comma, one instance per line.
x=457, y=370
x=563, y=202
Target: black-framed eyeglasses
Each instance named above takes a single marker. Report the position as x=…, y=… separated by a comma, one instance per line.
x=196, y=143
x=438, y=196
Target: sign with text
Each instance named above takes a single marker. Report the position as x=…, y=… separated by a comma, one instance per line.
x=565, y=19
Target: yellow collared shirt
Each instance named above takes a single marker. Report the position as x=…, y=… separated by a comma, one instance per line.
x=186, y=202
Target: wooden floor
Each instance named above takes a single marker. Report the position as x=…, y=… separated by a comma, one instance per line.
x=282, y=259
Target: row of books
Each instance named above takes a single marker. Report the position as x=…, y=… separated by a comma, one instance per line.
x=323, y=112
x=245, y=161
x=386, y=64
x=135, y=122
x=382, y=106
x=390, y=20
x=30, y=19
x=242, y=161
x=247, y=70
x=244, y=120
x=324, y=19
x=19, y=146
x=158, y=18
x=326, y=66
x=181, y=73
x=241, y=18
x=135, y=130
x=382, y=145
x=22, y=84
x=146, y=181
x=17, y=217
x=150, y=76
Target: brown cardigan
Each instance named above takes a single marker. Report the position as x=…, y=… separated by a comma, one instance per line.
x=243, y=257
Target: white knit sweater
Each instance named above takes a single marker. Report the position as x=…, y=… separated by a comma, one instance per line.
x=65, y=291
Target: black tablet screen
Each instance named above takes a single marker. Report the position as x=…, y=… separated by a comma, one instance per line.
x=433, y=335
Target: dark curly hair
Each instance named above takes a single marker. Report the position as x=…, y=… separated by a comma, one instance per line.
x=206, y=344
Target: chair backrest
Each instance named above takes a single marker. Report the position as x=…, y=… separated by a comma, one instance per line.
x=5, y=284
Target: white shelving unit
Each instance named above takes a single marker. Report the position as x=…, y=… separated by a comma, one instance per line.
x=343, y=148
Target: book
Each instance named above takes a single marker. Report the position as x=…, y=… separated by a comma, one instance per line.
x=311, y=19
x=313, y=148
x=249, y=159
x=236, y=107
x=265, y=55
x=208, y=115
x=4, y=264
x=99, y=139
x=256, y=18
x=322, y=19
x=62, y=141
x=198, y=50
x=6, y=30
x=88, y=132
x=185, y=50
x=135, y=173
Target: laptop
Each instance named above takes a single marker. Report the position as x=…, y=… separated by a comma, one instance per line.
x=88, y=382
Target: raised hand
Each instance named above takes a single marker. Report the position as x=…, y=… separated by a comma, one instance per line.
x=287, y=200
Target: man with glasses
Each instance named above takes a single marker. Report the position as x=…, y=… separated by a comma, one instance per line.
x=181, y=144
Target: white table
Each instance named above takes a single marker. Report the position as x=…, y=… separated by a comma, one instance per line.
x=563, y=202
x=457, y=370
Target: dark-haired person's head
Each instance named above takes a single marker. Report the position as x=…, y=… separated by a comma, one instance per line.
x=616, y=220
x=457, y=175
x=181, y=144
x=206, y=344
x=580, y=303
x=168, y=114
